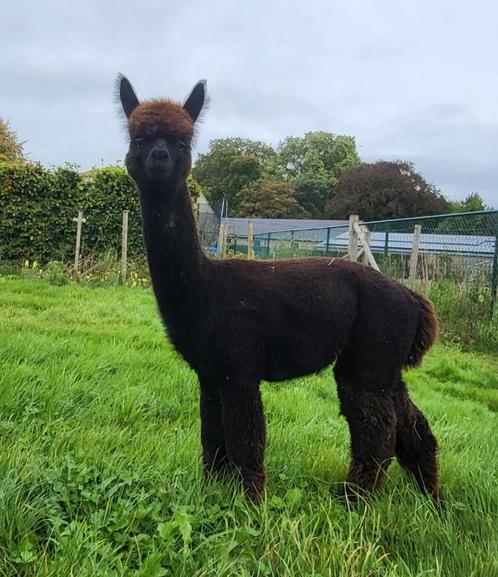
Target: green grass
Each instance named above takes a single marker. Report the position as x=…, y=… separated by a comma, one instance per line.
x=100, y=459
x=464, y=314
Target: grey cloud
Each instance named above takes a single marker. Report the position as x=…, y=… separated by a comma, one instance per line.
x=409, y=80
x=450, y=146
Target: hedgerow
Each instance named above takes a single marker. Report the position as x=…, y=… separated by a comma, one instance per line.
x=38, y=206
x=36, y=210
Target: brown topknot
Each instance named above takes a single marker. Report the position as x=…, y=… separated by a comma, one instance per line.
x=161, y=117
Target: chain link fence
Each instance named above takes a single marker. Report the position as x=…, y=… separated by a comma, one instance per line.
x=461, y=248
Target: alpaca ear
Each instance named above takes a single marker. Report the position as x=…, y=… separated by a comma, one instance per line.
x=194, y=103
x=129, y=100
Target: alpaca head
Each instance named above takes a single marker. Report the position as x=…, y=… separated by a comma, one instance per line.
x=161, y=134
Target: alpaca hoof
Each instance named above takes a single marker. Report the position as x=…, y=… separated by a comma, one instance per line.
x=254, y=488
x=220, y=469
x=254, y=494
x=354, y=494
x=364, y=479
x=431, y=489
x=435, y=495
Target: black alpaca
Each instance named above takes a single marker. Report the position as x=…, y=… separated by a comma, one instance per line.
x=237, y=322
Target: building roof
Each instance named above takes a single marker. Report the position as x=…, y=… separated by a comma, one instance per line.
x=462, y=244
x=238, y=226
x=203, y=204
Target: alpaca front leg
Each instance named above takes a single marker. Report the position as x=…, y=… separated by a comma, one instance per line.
x=212, y=435
x=245, y=434
x=371, y=417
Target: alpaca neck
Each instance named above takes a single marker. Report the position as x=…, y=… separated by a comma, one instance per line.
x=173, y=249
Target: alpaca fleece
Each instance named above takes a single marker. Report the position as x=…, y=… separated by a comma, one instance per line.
x=238, y=322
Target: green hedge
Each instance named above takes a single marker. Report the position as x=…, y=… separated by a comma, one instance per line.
x=104, y=194
x=37, y=207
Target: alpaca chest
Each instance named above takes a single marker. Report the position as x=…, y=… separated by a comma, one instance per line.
x=191, y=340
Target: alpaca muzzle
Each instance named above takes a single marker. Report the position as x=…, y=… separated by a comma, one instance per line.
x=159, y=164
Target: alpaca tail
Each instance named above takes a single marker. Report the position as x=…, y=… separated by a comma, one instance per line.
x=427, y=330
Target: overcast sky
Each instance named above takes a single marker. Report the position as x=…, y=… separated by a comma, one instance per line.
x=410, y=79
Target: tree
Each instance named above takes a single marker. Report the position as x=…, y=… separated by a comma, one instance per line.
x=194, y=188
x=313, y=192
x=266, y=198
x=314, y=163
x=10, y=148
x=472, y=203
x=230, y=165
x=385, y=190
x=323, y=150
x=243, y=170
x=473, y=224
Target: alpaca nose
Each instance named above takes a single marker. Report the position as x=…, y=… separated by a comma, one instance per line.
x=160, y=150
x=160, y=153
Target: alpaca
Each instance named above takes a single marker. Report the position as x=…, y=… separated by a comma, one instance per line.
x=238, y=322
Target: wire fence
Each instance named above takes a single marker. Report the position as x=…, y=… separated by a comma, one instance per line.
x=459, y=247
x=462, y=247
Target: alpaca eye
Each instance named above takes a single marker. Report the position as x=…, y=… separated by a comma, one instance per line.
x=181, y=144
x=138, y=142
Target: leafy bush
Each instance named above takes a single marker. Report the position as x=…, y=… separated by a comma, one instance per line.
x=55, y=273
x=104, y=194
x=9, y=268
x=39, y=205
x=10, y=146
x=463, y=310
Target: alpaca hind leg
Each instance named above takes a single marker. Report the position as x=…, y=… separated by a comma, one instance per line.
x=245, y=434
x=212, y=434
x=371, y=417
x=416, y=446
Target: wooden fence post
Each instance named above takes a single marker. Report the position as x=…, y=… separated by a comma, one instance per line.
x=353, y=239
x=327, y=242
x=250, y=239
x=79, y=220
x=225, y=234
x=367, y=253
x=124, y=247
x=414, y=255
x=366, y=234
x=222, y=240
x=386, y=242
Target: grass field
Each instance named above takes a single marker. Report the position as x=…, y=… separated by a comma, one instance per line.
x=100, y=459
